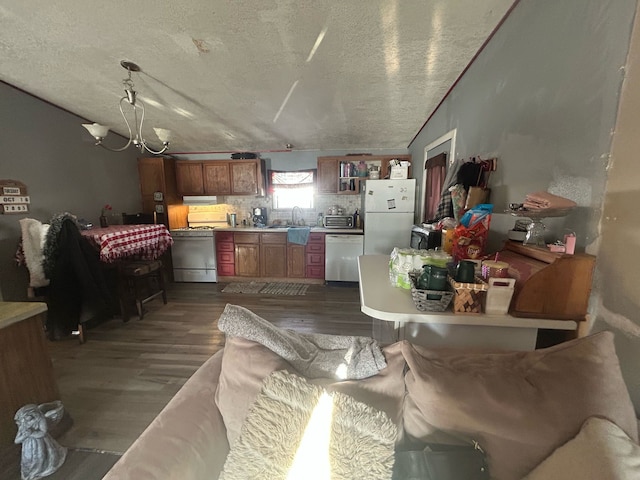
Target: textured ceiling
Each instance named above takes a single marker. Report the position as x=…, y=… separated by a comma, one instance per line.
x=249, y=75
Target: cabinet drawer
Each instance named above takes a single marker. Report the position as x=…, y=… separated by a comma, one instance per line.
x=246, y=237
x=226, y=269
x=224, y=247
x=222, y=237
x=315, y=259
x=273, y=238
x=315, y=271
x=316, y=237
x=226, y=257
x=315, y=248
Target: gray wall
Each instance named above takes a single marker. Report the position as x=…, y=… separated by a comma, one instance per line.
x=543, y=98
x=47, y=149
x=617, y=301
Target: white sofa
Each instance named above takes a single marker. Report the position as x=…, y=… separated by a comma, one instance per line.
x=534, y=413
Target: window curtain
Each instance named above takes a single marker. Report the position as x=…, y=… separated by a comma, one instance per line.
x=436, y=168
x=297, y=179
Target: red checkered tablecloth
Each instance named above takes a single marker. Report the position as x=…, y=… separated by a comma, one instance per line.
x=116, y=242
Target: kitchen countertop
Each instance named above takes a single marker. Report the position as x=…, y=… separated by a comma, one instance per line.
x=353, y=231
x=14, y=312
x=384, y=302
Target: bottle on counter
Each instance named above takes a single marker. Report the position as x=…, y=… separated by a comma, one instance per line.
x=356, y=219
x=320, y=220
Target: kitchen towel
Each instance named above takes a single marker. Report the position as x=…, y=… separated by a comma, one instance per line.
x=298, y=235
x=544, y=200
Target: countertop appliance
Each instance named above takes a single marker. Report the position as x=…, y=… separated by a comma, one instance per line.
x=341, y=257
x=259, y=217
x=387, y=212
x=194, y=248
x=425, y=238
x=337, y=221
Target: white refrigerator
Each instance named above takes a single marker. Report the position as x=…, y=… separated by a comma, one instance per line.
x=387, y=213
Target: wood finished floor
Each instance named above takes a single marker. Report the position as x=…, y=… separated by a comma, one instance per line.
x=118, y=381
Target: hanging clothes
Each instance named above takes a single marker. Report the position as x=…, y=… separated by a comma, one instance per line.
x=436, y=170
x=445, y=207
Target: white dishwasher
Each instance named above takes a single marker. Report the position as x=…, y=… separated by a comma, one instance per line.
x=341, y=257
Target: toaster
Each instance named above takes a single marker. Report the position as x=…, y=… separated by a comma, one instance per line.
x=338, y=221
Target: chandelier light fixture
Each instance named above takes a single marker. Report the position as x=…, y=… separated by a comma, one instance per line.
x=99, y=132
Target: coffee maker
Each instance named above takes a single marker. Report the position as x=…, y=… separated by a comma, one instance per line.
x=260, y=217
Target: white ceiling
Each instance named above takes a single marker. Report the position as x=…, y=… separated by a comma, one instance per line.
x=249, y=75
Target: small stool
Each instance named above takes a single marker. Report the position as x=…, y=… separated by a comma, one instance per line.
x=140, y=281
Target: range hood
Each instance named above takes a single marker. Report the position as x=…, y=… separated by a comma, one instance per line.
x=199, y=200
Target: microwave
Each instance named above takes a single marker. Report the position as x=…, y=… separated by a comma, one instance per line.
x=338, y=221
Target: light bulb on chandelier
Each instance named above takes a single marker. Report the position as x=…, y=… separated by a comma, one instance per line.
x=99, y=132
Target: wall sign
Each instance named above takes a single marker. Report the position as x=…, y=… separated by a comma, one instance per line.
x=20, y=208
x=14, y=198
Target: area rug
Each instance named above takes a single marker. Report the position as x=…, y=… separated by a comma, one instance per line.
x=251, y=287
x=271, y=288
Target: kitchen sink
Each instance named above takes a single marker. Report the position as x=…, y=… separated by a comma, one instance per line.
x=286, y=226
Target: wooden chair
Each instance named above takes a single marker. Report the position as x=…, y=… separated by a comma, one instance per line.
x=140, y=281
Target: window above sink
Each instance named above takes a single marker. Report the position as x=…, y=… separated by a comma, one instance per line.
x=292, y=189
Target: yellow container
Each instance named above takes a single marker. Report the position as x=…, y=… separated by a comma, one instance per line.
x=447, y=240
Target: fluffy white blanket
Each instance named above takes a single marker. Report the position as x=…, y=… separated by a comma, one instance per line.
x=34, y=234
x=314, y=355
x=296, y=430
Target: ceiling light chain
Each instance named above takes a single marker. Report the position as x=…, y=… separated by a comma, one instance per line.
x=99, y=132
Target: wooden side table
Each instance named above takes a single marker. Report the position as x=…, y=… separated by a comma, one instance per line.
x=26, y=370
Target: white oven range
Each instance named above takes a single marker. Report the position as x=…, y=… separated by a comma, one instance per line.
x=194, y=255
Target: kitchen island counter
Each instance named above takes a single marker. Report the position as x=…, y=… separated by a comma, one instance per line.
x=397, y=318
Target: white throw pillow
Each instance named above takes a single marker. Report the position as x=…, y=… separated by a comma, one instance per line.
x=600, y=451
x=296, y=430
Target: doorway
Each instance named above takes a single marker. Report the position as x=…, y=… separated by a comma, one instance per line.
x=446, y=144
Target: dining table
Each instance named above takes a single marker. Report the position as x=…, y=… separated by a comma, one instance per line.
x=119, y=242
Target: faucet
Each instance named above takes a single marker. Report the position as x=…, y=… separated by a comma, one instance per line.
x=296, y=215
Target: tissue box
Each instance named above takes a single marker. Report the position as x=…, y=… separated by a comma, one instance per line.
x=399, y=172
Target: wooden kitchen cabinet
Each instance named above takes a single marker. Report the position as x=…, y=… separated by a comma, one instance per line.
x=220, y=177
x=273, y=254
x=225, y=254
x=328, y=173
x=189, y=178
x=330, y=180
x=296, y=261
x=216, y=178
x=247, y=254
x=268, y=254
x=314, y=256
x=247, y=177
x=157, y=175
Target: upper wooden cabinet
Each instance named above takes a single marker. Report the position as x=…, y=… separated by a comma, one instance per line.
x=189, y=178
x=217, y=179
x=220, y=177
x=328, y=173
x=246, y=178
x=158, y=176
x=331, y=181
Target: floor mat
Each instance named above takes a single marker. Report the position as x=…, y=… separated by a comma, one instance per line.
x=251, y=287
x=271, y=288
